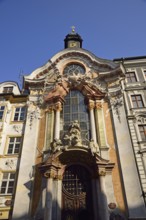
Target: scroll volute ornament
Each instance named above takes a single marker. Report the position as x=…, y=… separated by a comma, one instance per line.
x=58, y=106
x=60, y=91
x=98, y=105
x=91, y=91
x=91, y=104
x=101, y=171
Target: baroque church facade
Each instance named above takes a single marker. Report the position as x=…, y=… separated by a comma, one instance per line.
x=73, y=140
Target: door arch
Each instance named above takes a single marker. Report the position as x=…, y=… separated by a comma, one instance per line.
x=77, y=194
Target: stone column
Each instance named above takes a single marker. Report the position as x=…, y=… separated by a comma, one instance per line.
x=49, y=126
x=95, y=194
x=100, y=124
x=91, y=106
x=48, y=206
x=103, y=199
x=59, y=197
x=58, y=108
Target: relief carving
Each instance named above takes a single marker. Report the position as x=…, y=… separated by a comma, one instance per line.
x=73, y=137
x=115, y=102
x=60, y=90
x=10, y=164
x=141, y=119
x=93, y=147
x=17, y=128
x=33, y=113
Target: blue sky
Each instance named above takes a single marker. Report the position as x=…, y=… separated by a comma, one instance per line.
x=32, y=31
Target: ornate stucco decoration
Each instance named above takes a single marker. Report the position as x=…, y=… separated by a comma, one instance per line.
x=101, y=78
x=33, y=112
x=73, y=137
x=90, y=87
x=17, y=128
x=10, y=164
x=99, y=72
x=140, y=118
x=115, y=102
x=72, y=140
x=97, y=64
x=56, y=163
x=59, y=91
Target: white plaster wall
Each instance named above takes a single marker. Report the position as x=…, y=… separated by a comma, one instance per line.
x=109, y=189
x=131, y=181
x=25, y=176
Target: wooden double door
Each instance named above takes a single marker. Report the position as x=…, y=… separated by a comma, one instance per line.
x=77, y=194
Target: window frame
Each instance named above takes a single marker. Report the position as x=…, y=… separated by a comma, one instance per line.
x=142, y=132
x=8, y=89
x=16, y=144
x=144, y=73
x=2, y=111
x=7, y=183
x=130, y=77
x=137, y=101
x=19, y=113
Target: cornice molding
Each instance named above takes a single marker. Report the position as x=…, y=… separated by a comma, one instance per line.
x=92, y=60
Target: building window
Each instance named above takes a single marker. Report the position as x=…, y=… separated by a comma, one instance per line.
x=8, y=89
x=137, y=101
x=142, y=130
x=7, y=185
x=144, y=71
x=14, y=145
x=131, y=77
x=20, y=114
x=75, y=109
x=2, y=108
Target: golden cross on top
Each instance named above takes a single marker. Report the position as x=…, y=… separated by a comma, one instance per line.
x=73, y=29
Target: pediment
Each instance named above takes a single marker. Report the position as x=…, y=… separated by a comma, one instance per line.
x=58, y=161
x=95, y=67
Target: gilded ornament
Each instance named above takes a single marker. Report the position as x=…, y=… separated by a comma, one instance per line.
x=58, y=106
x=102, y=172
x=91, y=105
x=98, y=105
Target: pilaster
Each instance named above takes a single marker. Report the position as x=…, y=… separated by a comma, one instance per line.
x=49, y=195
x=58, y=108
x=49, y=126
x=91, y=106
x=100, y=124
x=129, y=173
x=102, y=198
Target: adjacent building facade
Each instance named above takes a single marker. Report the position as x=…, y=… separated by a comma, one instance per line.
x=73, y=140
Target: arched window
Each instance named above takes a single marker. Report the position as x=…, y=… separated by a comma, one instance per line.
x=74, y=108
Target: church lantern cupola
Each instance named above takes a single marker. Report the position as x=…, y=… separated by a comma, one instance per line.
x=73, y=39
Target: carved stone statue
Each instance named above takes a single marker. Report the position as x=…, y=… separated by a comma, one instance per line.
x=73, y=137
x=93, y=147
x=67, y=140
x=56, y=145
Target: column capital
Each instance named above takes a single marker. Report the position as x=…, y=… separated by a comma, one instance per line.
x=50, y=174
x=91, y=104
x=98, y=105
x=101, y=172
x=58, y=106
x=59, y=177
x=49, y=109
